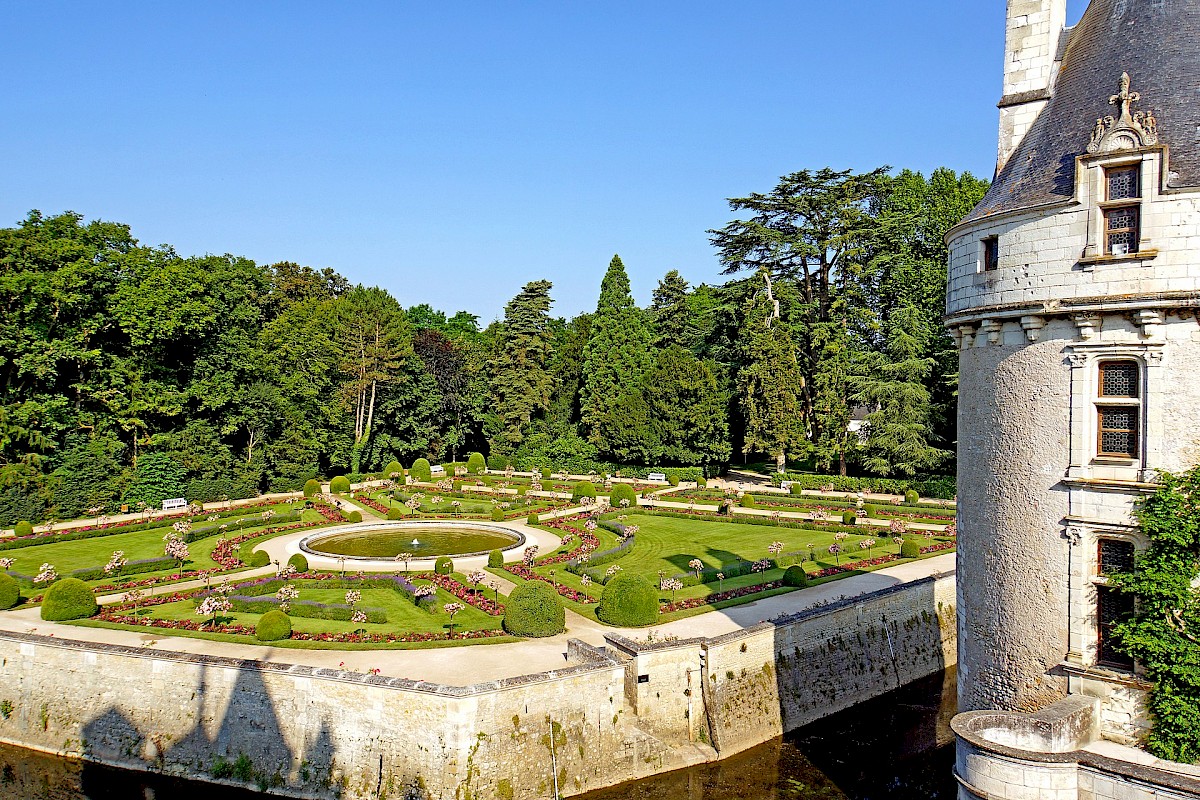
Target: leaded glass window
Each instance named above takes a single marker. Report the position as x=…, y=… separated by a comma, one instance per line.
x=1119, y=431
x=1121, y=230
x=1112, y=607
x=1119, y=379
x=1115, y=555
x=1122, y=183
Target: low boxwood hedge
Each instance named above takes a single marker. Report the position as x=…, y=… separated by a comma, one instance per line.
x=628, y=600
x=533, y=609
x=68, y=598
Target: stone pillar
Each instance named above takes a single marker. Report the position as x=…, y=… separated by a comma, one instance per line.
x=1031, y=44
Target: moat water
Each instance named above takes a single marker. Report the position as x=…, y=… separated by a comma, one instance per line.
x=897, y=747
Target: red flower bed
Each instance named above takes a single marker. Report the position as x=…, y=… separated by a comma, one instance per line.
x=465, y=593
x=587, y=541
x=525, y=573
x=937, y=548
x=160, y=517
x=224, y=554
x=718, y=597
x=372, y=504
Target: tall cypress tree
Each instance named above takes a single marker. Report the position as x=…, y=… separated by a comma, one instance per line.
x=616, y=356
x=670, y=311
x=521, y=379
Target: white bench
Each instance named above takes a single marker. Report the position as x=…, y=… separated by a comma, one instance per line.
x=174, y=504
x=656, y=476
x=437, y=469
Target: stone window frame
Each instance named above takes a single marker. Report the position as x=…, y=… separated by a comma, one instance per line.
x=1084, y=627
x=1092, y=189
x=1084, y=359
x=1133, y=402
x=989, y=253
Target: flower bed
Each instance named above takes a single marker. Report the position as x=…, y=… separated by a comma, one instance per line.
x=525, y=573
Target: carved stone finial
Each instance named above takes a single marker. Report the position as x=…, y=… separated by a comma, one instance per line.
x=1130, y=129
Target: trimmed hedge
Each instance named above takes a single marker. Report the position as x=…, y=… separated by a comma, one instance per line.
x=910, y=549
x=394, y=514
x=495, y=559
x=941, y=487
x=273, y=626
x=308, y=609
x=340, y=483
x=444, y=565
x=393, y=468
x=532, y=519
x=497, y=514
x=620, y=492
x=849, y=518
x=628, y=600
x=298, y=562
x=583, y=489
x=312, y=487
x=10, y=592
x=748, y=501
x=795, y=576
x=911, y=497
x=68, y=598
x=259, y=558
x=23, y=528
x=353, y=516
x=475, y=464
x=533, y=609
x=421, y=471
x=131, y=568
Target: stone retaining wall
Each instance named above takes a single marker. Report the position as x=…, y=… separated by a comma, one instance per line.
x=624, y=711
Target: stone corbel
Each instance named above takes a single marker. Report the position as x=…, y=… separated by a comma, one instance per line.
x=1073, y=534
x=1032, y=325
x=965, y=336
x=1149, y=321
x=1078, y=360
x=1087, y=324
x=992, y=328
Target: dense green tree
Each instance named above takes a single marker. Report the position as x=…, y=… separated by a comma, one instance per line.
x=687, y=409
x=671, y=313
x=616, y=357
x=521, y=380
x=770, y=385
x=892, y=384
x=158, y=477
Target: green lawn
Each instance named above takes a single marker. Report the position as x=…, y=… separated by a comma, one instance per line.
x=96, y=551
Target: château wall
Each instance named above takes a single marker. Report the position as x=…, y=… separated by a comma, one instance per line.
x=621, y=712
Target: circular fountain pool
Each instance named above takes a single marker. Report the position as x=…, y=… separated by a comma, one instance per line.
x=424, y=539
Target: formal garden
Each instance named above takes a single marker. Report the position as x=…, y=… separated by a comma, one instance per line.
x=633, y=553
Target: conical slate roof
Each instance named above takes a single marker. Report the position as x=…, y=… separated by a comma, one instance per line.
x=1158, y=43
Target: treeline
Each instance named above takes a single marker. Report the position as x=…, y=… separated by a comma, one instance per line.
x=125, y=365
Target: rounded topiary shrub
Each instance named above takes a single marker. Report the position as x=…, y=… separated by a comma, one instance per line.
x=533, y=609
x=259, y=558
x=495, y=559
x=273, y=626
x=583, y=489
x=421, y=470
x=796, y=488
x=546, y=473
x=628, y=600
x=444, y=565
x=393, y=470
x=910, y=549
x=849, y=517
x=69, y=598
x=911, y=497
x=23, y=528
x=872, y=511
x=354, y=516
x=10, y=592
x=622, y=492
x=532, y=519
x=748, y=501
x=340, y=483
x=476, y=463
x=497, y=514
x=795, y=576
x=311, y=487
x=395, y=513
x=673, y=479
x=298, y=562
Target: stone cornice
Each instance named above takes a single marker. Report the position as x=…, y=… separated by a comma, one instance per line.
x=1120, y=304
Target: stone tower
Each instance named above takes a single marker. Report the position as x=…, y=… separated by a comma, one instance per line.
x=1073, y=296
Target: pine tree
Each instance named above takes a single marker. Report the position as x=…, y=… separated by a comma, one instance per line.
x=616, y=357
x=688, y=410
x=670, y=312
x=521, y=381
x=893, y=385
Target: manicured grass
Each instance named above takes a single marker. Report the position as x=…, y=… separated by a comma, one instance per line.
x=96, y=551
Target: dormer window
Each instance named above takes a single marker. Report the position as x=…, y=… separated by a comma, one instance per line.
x=1122, y=210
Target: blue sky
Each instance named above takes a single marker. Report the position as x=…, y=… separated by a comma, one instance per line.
x=450, y=152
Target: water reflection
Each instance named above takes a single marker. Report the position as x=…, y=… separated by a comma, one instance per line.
x=898, y=747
